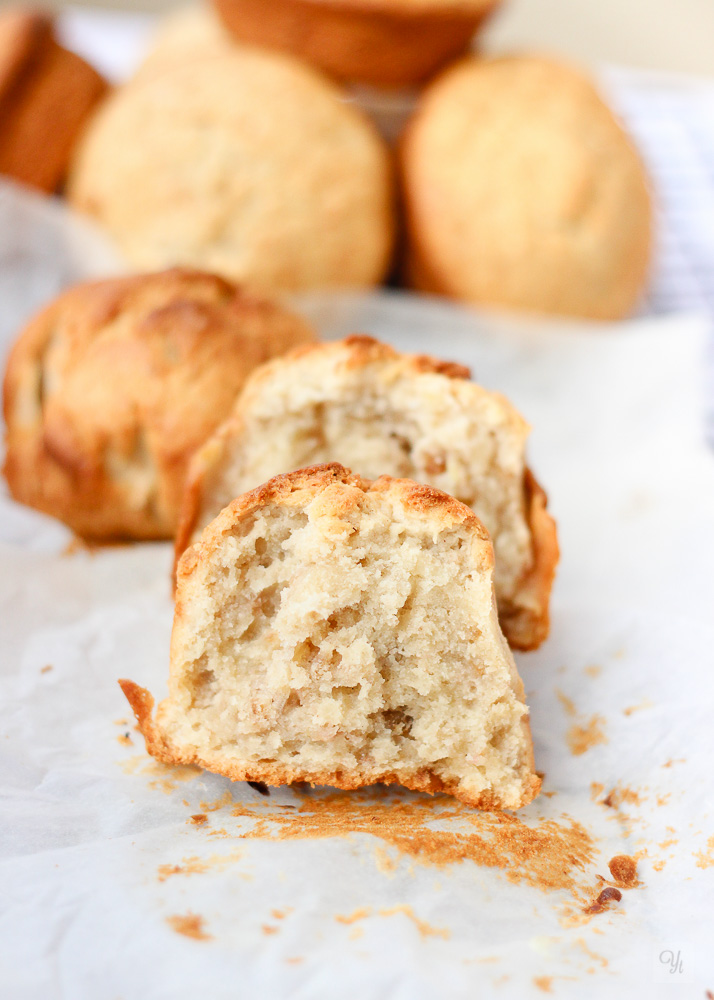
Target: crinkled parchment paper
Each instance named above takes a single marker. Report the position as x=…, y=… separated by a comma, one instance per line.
x=123, y=879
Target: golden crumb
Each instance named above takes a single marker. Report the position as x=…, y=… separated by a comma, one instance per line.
x=705, y=859
x=567, y=703
x=351, y=918
x=583, y=737
x=425, y=929
x=190, y=925
x=631, y=709
x=125, y=739
x=269, y=929
x=594, y=670
x=198, y=819
x=624, y=871
x=46, y=670
x=544, y=983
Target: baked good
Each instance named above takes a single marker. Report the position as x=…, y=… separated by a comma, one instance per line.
x=384, y=42
x=246, y=163
x=112, y=387
x=46, y=95
x=360, y=402
x=522, y=190
x=186, y=34
x=342, y=632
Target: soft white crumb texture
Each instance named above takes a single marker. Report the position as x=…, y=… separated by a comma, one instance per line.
x=378, y=420
x=367, y=642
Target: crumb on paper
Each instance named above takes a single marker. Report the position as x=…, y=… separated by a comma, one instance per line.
x=582, y=737
x=623, y=869
x=424, y=928
x=544, y=983
x=705, y=859
x=662, y=800
x=198, y=819
x=282, y=914
x=195, y=865
x=121, y=722
x=166, y=776
x=190, y=925
x=600, y=959
x=351, y=918
x=125, y=739
x=659, y=865
x=269, y=929
x=384, y=861
x=567, y=703
x=619, y=653
x=295, y=960
x=622, y=795
x=606, y=896
x=631, y=709
x=46, y=669
x=675, y=760
x=220, y=803
x=594, y=670
x=596, y=790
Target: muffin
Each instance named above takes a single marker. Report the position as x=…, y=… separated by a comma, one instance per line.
x=522, y=191
x=360, y=402
x=245, y=163
x=393, y=43
x=46, y=95
x=186, y=34
x=342, y=632
x=113, y=386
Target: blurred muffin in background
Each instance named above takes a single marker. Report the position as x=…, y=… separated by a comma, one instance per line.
x=247, y=163
x=521, y=190
x=192, y=32
x=46, y=95
x=393, y=43
x=111, y=388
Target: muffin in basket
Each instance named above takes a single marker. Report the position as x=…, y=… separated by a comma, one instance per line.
x=342, y=632
x=393, y=43
x=47, y=94
x=113, y=386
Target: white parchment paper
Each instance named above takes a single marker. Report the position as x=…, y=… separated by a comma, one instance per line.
x=88, y=821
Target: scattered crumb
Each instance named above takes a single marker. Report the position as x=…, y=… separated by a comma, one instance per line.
x=669, y=842
x=705, y=859
x=567, y=703
x=121, y=722
x=425, y=929
x=282, y=914
x=624, y=871
x=638, y=708
x=583, y=737
x=619, y=653
x=658, y=865
x=270, y=929
x=166, y=776
x=544, y=983
x=195, y=866
x=675, y=760
x=548, y=855
x=549, y=795
x=198, y=819
x=225, y=800
x=46, y=670
x=125, y=739
x=622, y=795
x=190, y=925
x=580, y=942
x=596, y=790
x=602, y=903
x=353, y=917
x=385, y=862
x=662, y=800
x=593, y=671
x=295, y=961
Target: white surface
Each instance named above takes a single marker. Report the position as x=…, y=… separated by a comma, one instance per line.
x=618, y=445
